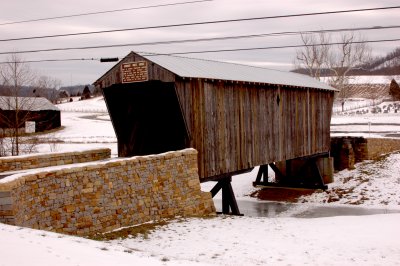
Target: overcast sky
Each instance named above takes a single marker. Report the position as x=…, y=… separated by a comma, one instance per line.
x=84, y=72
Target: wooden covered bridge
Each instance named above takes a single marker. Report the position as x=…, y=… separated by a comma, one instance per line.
x=236, y=116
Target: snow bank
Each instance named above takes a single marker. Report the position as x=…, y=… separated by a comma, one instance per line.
x=367, y=240
x=23, y=246
x=350, y=240
x=372, y=183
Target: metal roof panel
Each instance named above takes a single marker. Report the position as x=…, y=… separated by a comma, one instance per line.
x=26, y=103
x=200, y=68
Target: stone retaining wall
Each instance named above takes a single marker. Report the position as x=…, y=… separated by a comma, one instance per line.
x=378, y=147
x=6, y=208
x=31, y=161
x=99, y=197
x=349, y=150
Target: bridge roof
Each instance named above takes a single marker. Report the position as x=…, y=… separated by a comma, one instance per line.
x=208, y=69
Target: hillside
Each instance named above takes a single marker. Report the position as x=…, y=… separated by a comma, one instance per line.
x=368, y=87
x=367, y=91
x=77, y=89
x=30, y=91
x=386, y=65
x=381, y=65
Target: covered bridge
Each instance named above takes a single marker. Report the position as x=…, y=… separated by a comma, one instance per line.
x=236, y=116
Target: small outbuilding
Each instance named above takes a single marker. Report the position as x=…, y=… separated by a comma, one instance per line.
x=35, y=113
x=236, y=116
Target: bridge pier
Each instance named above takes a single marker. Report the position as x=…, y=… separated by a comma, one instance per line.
x=306, y=172
x=229, y=203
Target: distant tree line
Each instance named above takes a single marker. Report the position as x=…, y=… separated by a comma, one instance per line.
x=34, y=91
x=78, y=90
x=52, y=93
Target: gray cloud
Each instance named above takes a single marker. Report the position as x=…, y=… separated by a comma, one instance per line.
x=88, y=71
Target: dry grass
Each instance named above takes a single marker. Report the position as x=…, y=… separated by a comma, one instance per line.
x=142, y=230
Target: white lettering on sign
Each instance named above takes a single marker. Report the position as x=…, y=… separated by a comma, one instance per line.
x=134, y=72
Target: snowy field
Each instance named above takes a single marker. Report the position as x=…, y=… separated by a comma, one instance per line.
x=371, y=184
x=368, y=79
x=87, y=125
x=363, y=122
x=346, y=240
x=280, y=240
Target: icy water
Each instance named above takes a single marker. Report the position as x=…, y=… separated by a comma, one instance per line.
x=275, y=209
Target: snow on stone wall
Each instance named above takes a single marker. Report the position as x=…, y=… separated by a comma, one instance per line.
x=99, y=197
x=31, y=161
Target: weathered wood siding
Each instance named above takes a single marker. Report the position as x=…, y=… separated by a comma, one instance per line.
x=236, y=126
x=233, y=125
x=44, y=119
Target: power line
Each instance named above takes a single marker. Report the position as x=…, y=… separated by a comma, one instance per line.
x=209, y=51
x=53, y=60
x=104, y=12
x=199, y=23
x=270, y=47
x=203, y=39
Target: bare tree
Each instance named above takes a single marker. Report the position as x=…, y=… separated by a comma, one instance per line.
x=3, y=140
x=352, y=52
x=318, y=54
x=13, y=76
x=47, y=87
x=315, y=53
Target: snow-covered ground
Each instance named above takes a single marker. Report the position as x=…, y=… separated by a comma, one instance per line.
x=24, y=246
x=281, y=240
x=86, y=125
x=371, y=183
x=278, y=241
x=368, y=79
x=346, y=240
x=366, y=123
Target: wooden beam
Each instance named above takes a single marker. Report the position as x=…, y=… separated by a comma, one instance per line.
x=288, y=169
x=317, y=174
x=229, y=204
x=225, y=175
x=214, y=191
x=262, y=175
x=229, y=197
x=276, y=170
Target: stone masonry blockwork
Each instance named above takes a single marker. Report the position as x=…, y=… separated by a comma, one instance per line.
x=349, y=150
x=102, y=196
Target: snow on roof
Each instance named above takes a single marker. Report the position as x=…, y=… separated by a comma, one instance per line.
x=208, y=69
x=26, y=103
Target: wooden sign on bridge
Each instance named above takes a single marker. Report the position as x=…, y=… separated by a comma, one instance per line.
x=134, y=72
